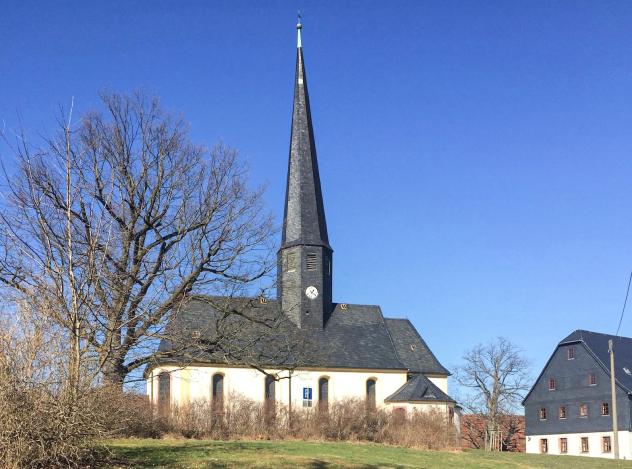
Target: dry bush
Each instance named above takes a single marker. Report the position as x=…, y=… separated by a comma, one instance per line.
x=347, y=420
x=43, y=422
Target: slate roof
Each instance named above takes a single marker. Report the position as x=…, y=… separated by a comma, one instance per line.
x=597, y=344
x=417, y=389
x=356, y=337
x=411, y=349
x=304, y=218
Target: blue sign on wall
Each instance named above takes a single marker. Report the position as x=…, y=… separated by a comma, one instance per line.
x=307, y=393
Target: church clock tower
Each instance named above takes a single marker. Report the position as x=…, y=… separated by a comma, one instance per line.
x=304, y=260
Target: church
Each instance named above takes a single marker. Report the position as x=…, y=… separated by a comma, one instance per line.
x=301, y=349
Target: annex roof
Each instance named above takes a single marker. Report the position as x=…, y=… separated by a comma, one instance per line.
x=419, y=389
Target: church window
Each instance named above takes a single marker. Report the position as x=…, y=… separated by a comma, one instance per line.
x=218, y=392
x=164, y=392
x=290, y=262
x=370, y=393
x=323, y=393
x=312, y=261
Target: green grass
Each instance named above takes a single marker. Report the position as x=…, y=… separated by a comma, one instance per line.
x=277, y=454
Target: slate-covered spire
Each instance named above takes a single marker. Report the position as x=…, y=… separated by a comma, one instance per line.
x=304, y=261
x=304, y=219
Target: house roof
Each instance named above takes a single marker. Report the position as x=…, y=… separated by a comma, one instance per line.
x=419, y=388
x=596, y=344
x=355, y=336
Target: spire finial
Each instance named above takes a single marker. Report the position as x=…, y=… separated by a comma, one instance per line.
x=299, y=26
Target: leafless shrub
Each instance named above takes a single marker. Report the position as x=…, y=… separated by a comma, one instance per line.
x=347, y=420
x=42, y=423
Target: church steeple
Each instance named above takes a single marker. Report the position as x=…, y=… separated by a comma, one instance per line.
x=305, y=257
x=304, y=221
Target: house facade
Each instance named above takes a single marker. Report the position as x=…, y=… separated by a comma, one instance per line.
x=340, y=351
x=569, y=408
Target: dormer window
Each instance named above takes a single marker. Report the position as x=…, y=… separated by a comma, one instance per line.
x=312, y=261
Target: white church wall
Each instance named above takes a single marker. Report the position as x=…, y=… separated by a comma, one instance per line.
x=194, y=383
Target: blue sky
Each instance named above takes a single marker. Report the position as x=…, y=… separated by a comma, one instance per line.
x=476, y=157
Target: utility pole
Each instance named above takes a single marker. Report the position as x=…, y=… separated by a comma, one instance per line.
x=613, y=390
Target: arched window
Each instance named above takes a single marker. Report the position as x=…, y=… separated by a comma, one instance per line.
x=269, y=393
x=370, y=393
x=218, y=392
x=164, y=392
x=323, y=393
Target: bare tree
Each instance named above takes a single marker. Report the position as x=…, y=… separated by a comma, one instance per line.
x=497, y=376
x=110, y=227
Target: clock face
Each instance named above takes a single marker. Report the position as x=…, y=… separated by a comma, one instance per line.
x=311, y=292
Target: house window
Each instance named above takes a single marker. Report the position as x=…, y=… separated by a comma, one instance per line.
x=606, y=447
x=312, y=261
x=323, y=393
x=551, y=384
x=370, y=393
x=542, y=413
x=605, y=408
x=583, y=410
x=164, y=392
x=290, y=262
x=218, y=392
x=592, y=379
x=584, y=444
x=563, y=445
x=570, y=353
x=562, y=413
x=544, y=445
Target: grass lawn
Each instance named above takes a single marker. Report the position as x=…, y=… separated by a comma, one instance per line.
x=274, y=454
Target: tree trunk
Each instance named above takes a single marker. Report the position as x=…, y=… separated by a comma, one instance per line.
x=114, y=372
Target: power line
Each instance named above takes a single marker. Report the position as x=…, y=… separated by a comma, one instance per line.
x=625, y=302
